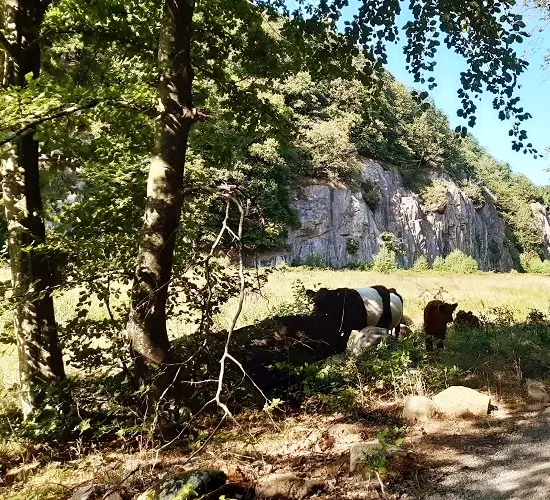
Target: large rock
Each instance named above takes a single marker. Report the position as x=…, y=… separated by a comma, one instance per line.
x=536, y=391
x=331, y=217
x=418, y=408
x=186, y=486
x=286, y=486
x=463, y=402
x=368, y=338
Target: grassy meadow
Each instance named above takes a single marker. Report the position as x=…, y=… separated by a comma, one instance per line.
x=481, y=293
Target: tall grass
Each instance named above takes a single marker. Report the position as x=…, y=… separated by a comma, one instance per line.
x=480, y=293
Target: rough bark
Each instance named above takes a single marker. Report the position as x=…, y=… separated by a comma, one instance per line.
x=146, y=328
x=40, y=359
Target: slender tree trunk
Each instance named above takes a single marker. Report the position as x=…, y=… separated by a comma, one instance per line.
x=40, y=359
x=146, y=328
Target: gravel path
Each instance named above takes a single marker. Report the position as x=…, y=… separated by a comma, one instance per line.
x=513, y=466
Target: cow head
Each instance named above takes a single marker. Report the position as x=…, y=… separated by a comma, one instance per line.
x=327, y=301
x=446, y=311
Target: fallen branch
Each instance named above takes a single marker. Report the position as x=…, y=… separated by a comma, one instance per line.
x=119, y=484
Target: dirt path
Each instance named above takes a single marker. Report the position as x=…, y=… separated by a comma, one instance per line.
x=506, y=457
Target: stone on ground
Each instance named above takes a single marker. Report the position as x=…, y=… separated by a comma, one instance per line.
x=462, y=402
x=419, y=408
x=288, y=486
x=367, y=338
x=536, y=391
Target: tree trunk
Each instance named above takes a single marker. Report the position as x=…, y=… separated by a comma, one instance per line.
x=40, y=359
x=146, y=327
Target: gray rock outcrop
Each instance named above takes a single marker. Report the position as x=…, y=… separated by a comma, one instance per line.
x=339, y=227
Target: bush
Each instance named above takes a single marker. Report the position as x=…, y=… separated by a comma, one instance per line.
x=371, y=193
x=456, y=262
x=404, y=367
x=384, y=261
x=434, y=197
x=533, y=264
x=474, y=192
x=352, y=246
x=439, y=264
x=390, y=242
x=360, y=265
x=421, y=264
x=315, y=260
x=460, y=263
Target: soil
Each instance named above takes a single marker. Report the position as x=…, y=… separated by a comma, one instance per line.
x=503, y=456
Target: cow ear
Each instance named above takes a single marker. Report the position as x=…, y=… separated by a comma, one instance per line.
x=454, y=306
x=310, y=293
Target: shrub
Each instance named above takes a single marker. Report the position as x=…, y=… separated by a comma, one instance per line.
x=384, y=261
x=456, y=262
x=315, y=260
x=352, y=246
x=404, y=366
x=439, y=264
x=361, y=265
x=475, y=193
x=371, y=193
x=390, y=242
x=421, y=264
x=460, y=263
x=533, y=264
x=434, y=197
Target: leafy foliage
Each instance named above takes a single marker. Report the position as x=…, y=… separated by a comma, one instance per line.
x=384, y=261
x=460, y=263
x=532, y=263
x=289, y=98
x=434, y=197
x=421, y=264
x=456, y=262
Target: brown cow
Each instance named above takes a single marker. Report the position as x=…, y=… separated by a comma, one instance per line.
x=465, y=320
x=437, y=314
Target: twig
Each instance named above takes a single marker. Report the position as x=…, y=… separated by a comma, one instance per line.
x=117, y=486
x=383, y=492
x=201, y=447
x=60, y=114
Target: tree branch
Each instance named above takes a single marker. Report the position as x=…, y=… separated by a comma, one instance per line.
x=70, y=111
x=9, y=47
x=66, y=112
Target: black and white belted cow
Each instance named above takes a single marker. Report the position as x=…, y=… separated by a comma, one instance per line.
x=357, y=308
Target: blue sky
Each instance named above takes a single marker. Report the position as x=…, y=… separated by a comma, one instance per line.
x=491, y=133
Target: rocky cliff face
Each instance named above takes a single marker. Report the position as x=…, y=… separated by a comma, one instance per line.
x=333, y=217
